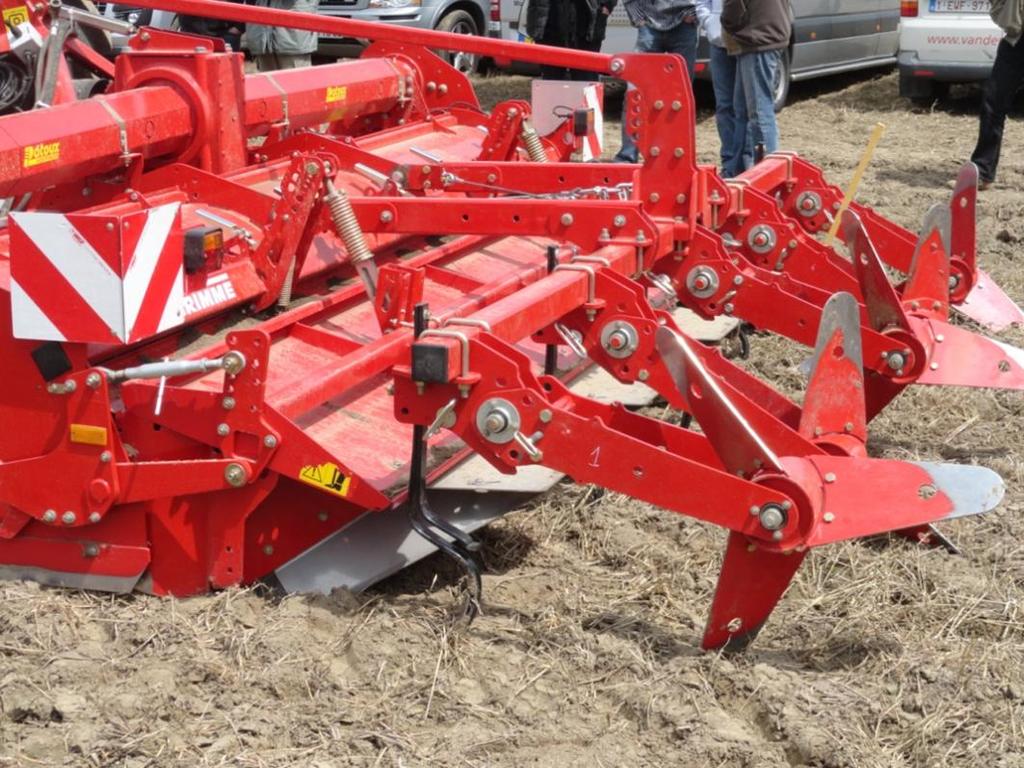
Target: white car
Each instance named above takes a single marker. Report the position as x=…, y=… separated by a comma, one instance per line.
x=944, y=42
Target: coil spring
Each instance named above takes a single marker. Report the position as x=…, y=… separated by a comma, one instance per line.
x=346, y=224
x=534, y=146
x=285, y=297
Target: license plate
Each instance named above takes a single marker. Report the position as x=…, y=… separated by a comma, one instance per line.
x=959, y=6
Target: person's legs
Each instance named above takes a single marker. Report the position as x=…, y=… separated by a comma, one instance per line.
x=294, y=60
x=682, y=41
x=757, y=71
x=645, y=43
x=742, y=144
x=723, y=81
x=997, y=98
x=267, y=62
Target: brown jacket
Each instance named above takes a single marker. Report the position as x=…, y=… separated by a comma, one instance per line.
x=757, y=25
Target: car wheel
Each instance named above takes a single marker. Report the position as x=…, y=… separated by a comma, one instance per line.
x=460, y=23
x=780, y=88
x=931, y=93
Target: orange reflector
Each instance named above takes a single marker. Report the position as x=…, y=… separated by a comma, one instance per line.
x=86, y=434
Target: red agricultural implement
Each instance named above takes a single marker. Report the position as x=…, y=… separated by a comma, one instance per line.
x=250, y=324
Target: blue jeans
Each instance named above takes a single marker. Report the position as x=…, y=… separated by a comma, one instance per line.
x=753, y=104
x=680, y=40
x=723, y=80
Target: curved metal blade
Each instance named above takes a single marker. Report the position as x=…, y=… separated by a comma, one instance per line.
x=927, y=288
x=750, y=585
x=865, y=497
x=957, y=357
x=880, y=297
x=835, y=402
x=841, y=313
x=962, y=205
x=972, y=490
x=738, y=444
x=988, y=305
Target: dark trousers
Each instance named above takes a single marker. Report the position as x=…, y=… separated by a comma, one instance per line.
x=997, y=99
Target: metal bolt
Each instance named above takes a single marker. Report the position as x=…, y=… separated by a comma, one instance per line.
x=755, y=511
x=777, y=536
x=223, y=430
x=491, y=178
x=678, y=152
x=787, y=505
x=828, y=517
x=442, y=88
x=106, y=456
x=848, y=426
x=895, y=360
x=818, y=431
x=234, y=474
x=95, y=517
x=49, y=516
x=109, y=226
x=312, y=169
x=321, y=516
x=643, y=374
x=654, y=197
x=934, y=366
x=939, y=338
x=546, y=415
x=90, y=550
x=728, y=309
x=93, y=380
x=772, y=517
x=268, y=550
x=68, y=518
x=228, y=403
x=655, y=151
x=659, y=104
x=830, y=477
x=619, y=221
x=617, y=65
x=386, y=217
x=567, y=219
x=680, y=198
x=738, y=280
x=234, y=363
x=496, y=421
x=676, y=106
x=70, y=386
x=270, y=441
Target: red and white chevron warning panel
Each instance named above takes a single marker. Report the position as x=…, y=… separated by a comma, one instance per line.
x=101, y=279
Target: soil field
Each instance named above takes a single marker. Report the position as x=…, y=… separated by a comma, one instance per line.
x=882, y=654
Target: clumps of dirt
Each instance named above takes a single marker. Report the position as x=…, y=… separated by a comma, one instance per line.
x=883, y=654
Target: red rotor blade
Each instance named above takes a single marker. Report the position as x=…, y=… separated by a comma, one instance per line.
x=881, y=299
x=744, y=435
x=926, y=291
x=750, y=585
x=866, y=497
x=963, y=217
x=834, y=403
x=988, y=305
x=961, y=358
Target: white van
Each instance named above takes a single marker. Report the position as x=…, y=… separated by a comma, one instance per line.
x=944, y=42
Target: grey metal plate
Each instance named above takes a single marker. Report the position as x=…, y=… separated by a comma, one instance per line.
x=708, y=331
x=381, y=543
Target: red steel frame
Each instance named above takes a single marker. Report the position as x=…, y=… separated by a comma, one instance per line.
x=210, y=479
